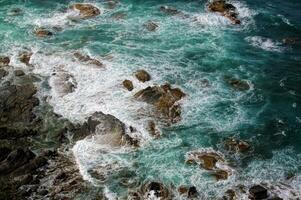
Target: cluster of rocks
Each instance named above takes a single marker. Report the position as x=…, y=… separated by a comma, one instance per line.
x=226, y=9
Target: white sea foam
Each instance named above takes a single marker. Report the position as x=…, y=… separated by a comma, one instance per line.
x=266, y=44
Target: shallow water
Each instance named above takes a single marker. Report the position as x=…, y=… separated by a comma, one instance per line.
x=184, y=51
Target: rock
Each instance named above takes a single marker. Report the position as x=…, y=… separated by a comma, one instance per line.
x=86, y=10
x=142, y=75
x=152, y=129
x=3, y=73
x=15, y=12
x=291, y=41
x=206, y=159
x=119, y=15
x=63, y=83
x=25, y=58
x=229, y=195
x=233, y=144
x=42, y=32
x=112, y=4
x=164, y=98
x=192, y=192
x=258, y=192
x=275, y=198
x=87, y=59
x=220, y=174
x=169, y=10
x=155, y=189
x=15, y=159
x=151, y=26
x=19, y=72
x=4, y=151
x=128, y=85
x=225, y=9
x=4, y=60
x=238, y=84
x=182, y=189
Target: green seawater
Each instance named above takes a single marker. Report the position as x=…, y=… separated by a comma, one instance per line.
x=187, y=52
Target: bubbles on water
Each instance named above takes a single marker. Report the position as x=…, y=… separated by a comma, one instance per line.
x=266, y=44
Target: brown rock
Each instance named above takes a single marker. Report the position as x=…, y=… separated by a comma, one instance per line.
x=152, y=129
x=233, y=144
x=258, y=192
x=225, y=9
x=25, y=57
x=220, y=174
x=151, y=26
x=229, y=195
x=86, y=10
x=87, y=59
x=142, y=75
x=128, y=85
x=182, y=189
x=238, y=84
x=19, y=72
x=206, y=160
x=42, y=32
x=4, y=60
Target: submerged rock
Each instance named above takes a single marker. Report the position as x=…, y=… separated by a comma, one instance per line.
x=142, y=75
x=63, y=83
x=4, y=60
x=258, y=192
x=128, y=85
x=42, y=32
x=225, y=9
x=291, y=41
x=119, y=15
x=238, y=84
x=170, y=10
x=87, y=59
x=151, y=26
x=15, y=12
x=86, y=10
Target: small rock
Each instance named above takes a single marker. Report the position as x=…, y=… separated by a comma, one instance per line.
x=3, y=73
x=229, y=195
x=25, y=57
x=87, y=59
x=258, y=192
x=119, y=15
x=192, y=192
x=15, y=12
x=182, y=189
x=152, y=129
x=42, y=32
x=157, y=189
x=19, y=72
x=233, y=144
x=169, y=10
x=220, y=174
x=151, y=26
x=291, y=41
x=4, y=60
x=128, y=85
x=86, y=10
x=239, y=84
x=142, y=75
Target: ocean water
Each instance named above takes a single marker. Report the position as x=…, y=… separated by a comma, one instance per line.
x=201, y=47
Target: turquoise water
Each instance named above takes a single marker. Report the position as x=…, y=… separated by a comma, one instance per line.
x=184, y=51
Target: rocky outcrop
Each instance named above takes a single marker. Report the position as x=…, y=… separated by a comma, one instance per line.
x=211, y=161
x=226, y=9
x=42, y=32
x=236, y=145
x=164, y=98
x=88, y=60
x=128, y=85
x=86, y=10
x=4, y=60
x=142, y=75
x=151, y=26
x=258, y=192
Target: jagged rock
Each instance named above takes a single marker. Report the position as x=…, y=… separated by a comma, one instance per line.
x=42, y=32
x=3, y=73
x=151, y=26
x=86, y=10
x=155, y=189
x=169, y=10
x=15, y=159
x=142, y=75
x=258, y=192
x=152, y=129
x=25, y=58
x=226, y=9
x=233, y=144
x=238, y=84
x=128, y=85
x=206, y=159
x=87, y=59
x=164, y=99
x=19, y=72
x=4, y=60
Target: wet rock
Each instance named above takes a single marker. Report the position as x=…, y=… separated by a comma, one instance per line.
x=169, y=10
x=151, y=26
x=142, y=75
x=15, y=12
x=291, y=41
x=192, y=192
x=128, y=85
x=238, y=84
x=111, y=4
x=152, y=129
x=206, y=159
x=42, y=32
x=19, y=72
x=229, y=195
x=220, y=174
x=62, y=82
x=4, y=60
x=233, y=144
x=86, y=10
x=25, y=58
x=258, y=192
x=164, y=98
x=15, y=159
x=3, y=73
x=182, y=190
x=134, y=196
x=155, y=189
x=225, y=9
x=119, y=15
x=88, y=60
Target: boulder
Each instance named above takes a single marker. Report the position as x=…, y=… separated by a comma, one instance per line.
x=151, y=26
x=25, y=58
x=88, y=60
x=258, y=192
x=19, y=72
x=238, y=84
x=42, y=32
x=142, y=75
x=225, y=9
x=128, y=85
x=86, y=10
x=4, y=60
